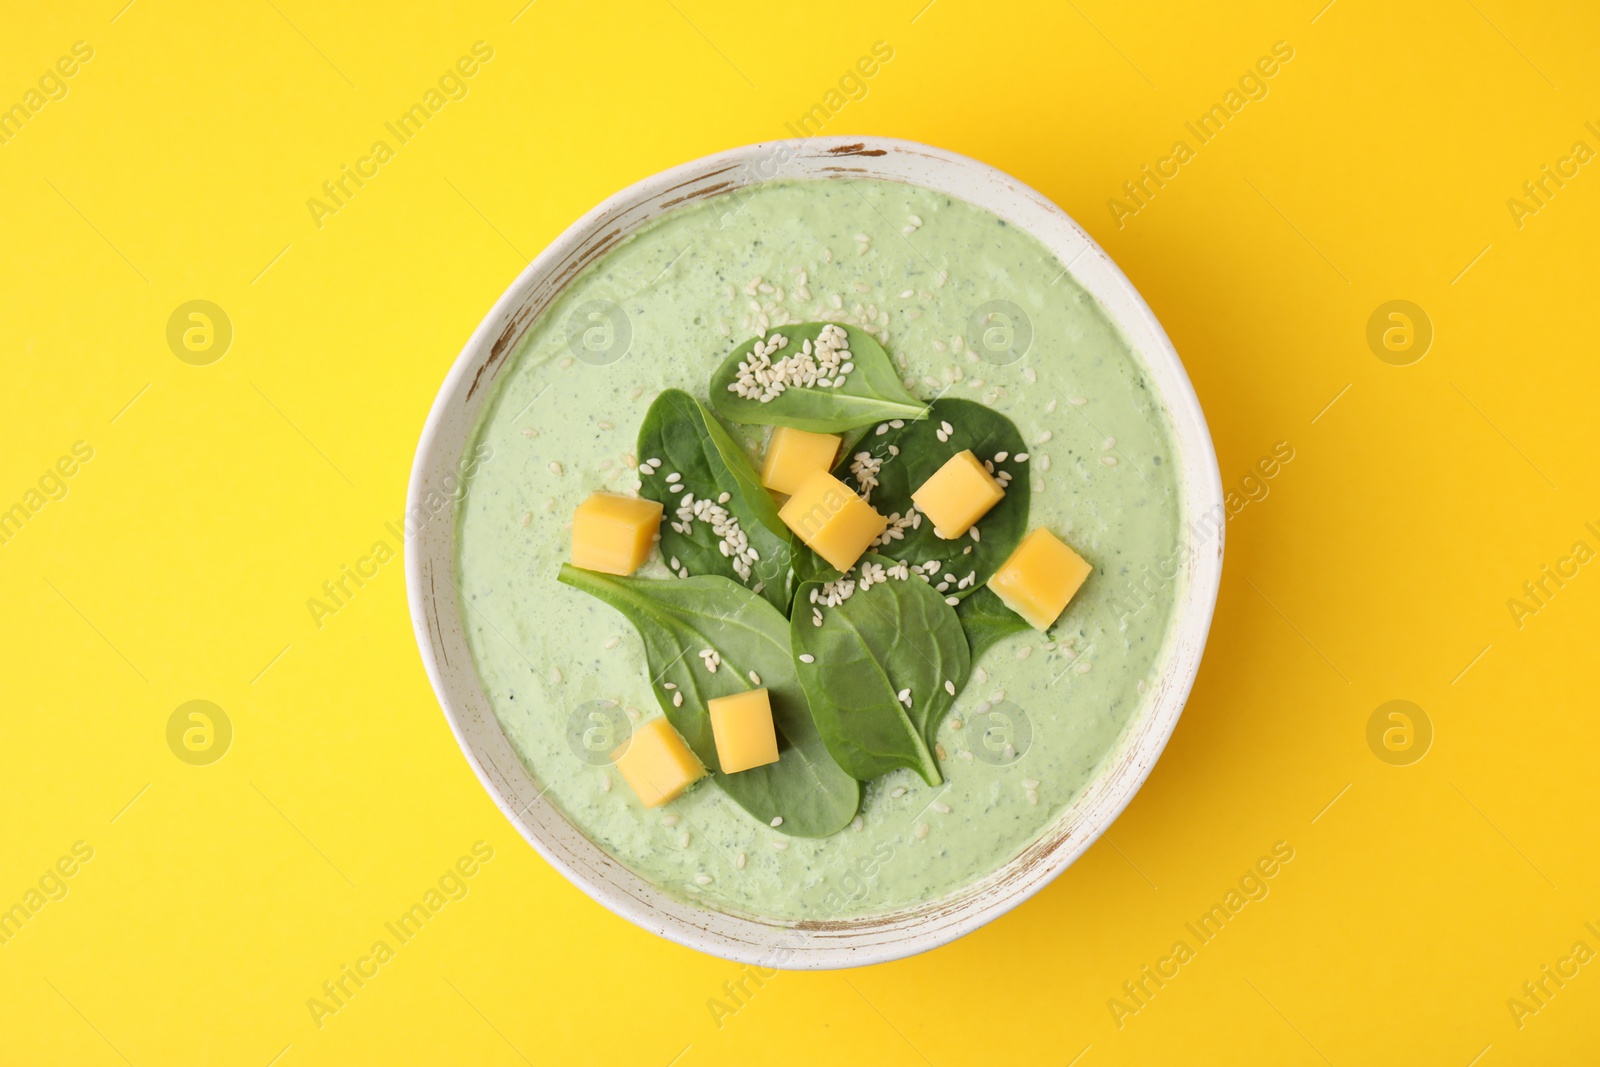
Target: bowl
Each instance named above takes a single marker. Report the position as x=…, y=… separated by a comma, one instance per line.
x=436, y=613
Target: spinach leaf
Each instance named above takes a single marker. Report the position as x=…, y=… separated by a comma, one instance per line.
x=714, y=470
x=919, y=454
x=676, y=619
x=806, y=566
x=895, y=636
x=871, y=391
x=986, y=620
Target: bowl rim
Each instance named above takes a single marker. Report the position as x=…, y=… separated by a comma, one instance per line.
x=765, y=941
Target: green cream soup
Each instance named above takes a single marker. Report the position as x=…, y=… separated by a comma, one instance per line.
x=1041, y=712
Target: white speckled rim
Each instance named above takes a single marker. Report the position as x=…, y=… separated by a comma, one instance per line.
x=436, y=612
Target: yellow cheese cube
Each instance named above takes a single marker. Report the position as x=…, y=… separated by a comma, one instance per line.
x=656, y=763
x=1039, y=578
x=793, y=455
x=959, y=494
x=838, y=525
x=742, y=725
x=613, y=533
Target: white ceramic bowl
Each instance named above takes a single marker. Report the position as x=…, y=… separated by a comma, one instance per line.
x=436, y=614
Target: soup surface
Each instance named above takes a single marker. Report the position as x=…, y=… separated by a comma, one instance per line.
x=970, y=307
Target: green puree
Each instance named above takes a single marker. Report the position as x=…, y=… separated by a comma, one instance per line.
x=561, y=427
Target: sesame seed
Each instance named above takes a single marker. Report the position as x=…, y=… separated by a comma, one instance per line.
x=1030, y=374
x=1077, y=401
x=915, y=220
x=755, y=679
x=941, y=807
x=950, y=687
x=1000, y=457
x=555, y=675
x=1033, y=797
x=806, y=657
x=605, y=782
x=857, y=823
x=952, y=600
x=702, y=879
x=938, y=750
x=946, y=427
x=677, y=700
x=526, y=520
x=777, y=820
x=739, y=861
x=1025, y=651
x=922, y=830
x=669, y=820
x=863, y=238
x=674, y=477
x=555, y=468
x=1043, y=438
x=1044, y=463
x=897, y=792
x=1020, y=457
x=1030, y=783
x=684, y=839
x=1109, y=460
x=781, y=846
x=613, y=641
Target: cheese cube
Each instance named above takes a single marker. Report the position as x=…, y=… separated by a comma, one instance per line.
x=656, y=763
x=1039, y=578
x=838, y=525
x=959, y=494
x=793, y=455
x=613, y=533
x=742, y=725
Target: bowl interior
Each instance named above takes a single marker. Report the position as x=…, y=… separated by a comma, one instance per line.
x=436, y=613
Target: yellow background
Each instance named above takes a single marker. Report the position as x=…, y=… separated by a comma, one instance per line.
x=1378, y=567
